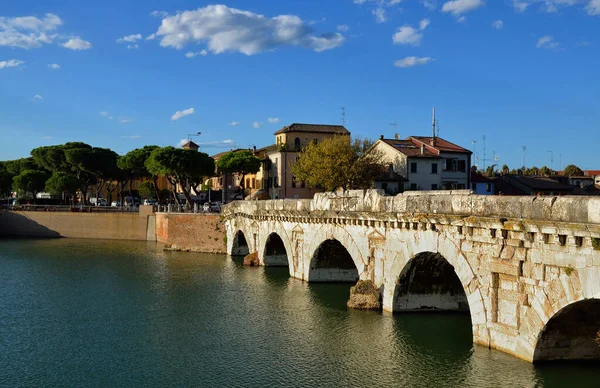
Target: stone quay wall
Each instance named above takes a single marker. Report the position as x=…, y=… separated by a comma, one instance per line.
x=110, y=226
x=191, y=232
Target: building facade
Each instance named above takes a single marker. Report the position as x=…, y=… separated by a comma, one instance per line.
x=428, y=163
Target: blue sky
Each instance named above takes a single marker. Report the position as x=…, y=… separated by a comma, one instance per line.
x=520, y=72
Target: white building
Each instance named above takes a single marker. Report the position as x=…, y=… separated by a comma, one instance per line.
x=428, y=163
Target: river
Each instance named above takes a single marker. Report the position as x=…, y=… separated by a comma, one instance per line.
x=121, y=314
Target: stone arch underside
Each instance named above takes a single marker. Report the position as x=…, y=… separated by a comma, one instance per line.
x=571, y=334
x=240, y=245
x=331, y=262
x=428, y=282
x=275, y=253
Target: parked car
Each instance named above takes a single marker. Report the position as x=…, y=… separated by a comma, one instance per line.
x=211, y=207
x=97, y=201
x=150, y=201
x=115, y=204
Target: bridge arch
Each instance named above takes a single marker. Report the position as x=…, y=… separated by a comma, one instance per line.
x=571, y=334
x=418, y=247
x=275, y=253
x=428, y=283
x=239, y=245
x=344, y=240
x=331, y=262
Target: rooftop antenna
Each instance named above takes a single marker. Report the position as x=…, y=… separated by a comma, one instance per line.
x=433, y=123
x=551, y=160
x=475, y=152
x=396, y=134
x=343, y=115
x=484, y=158
x=524, y=149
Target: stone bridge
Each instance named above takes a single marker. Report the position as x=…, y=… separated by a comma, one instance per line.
x=527, y=269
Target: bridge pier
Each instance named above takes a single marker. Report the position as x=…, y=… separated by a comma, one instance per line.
x=527, y=270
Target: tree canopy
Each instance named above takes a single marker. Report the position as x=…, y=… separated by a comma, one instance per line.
x=182, y=167
x=573, y=170
x=339, y=162
x=30, y=181
x=62, y=182
x=242, y=162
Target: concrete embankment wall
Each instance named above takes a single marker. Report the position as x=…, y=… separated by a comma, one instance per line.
x=115, y=226
x=191, y=232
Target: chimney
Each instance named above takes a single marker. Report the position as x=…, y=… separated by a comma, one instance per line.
x=422, y=149
x=432, y=141
x=380, y=137
x=397, y=136
x=254, y=149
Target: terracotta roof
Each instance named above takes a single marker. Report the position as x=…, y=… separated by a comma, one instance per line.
x=410, y=149
x=220, y=154
x=314, y=128
x=440, y=144
x=190, y=144
x=591, y=172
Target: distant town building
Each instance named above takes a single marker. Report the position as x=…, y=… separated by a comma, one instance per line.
x=277, y=175
x=482, y=185
x=428, y=163
x=390, y=181
x=531, y=185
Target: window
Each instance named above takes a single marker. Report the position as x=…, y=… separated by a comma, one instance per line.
x=434, y=186
x=413, y=167
x=294, y=182
x=248, y=183
x=451, y=165
x=488, y=187
x=254, y=183
x=384, y=186
x=434, y=168
x=413, y=186
x=474, y=186
x=297, y=144
x=462, y=165
x=461, y=186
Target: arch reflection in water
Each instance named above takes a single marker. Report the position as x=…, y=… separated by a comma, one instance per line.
x=332, y=263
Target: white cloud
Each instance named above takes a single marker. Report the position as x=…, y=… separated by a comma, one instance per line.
x=462, y=19
x=551, y=6
x=159, y=14
x=429, y=4
x=593, y=8
x=547, y=42
x=151, y=37
x=132, y=137
x=37, y=97
x=380, y=15
x=104, y=114
x=123, y=120
x=257, y=125
x=11, y=63
x=28, y=31
x=54, y=66
x=130, y=38
x=77, y=43
x=225, y=29
x=498, y=24
x=181, y=113
x=191, y=54
x=412, y=61
x=410, y=35
x=46, y=137
x=133, y=46
x=218, y=144
x=343, y=28
x=234, y=123
x=459, y=7
x=181, y=142
x=273, y=120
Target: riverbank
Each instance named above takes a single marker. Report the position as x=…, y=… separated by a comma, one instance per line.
x=180, y=232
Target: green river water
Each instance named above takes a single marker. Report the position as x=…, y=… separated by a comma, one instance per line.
x=79, y=313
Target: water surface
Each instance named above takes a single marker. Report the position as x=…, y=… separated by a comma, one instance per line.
x=121, y=314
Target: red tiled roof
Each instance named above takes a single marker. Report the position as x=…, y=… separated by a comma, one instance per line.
x=410, y=149
x=440, y=144
x=314, y=128
x=591, y=172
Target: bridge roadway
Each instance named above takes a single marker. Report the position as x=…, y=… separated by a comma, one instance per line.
x=527, y=269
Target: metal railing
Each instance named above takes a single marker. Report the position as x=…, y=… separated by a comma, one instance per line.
x=196, y=209
x=73, y=209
